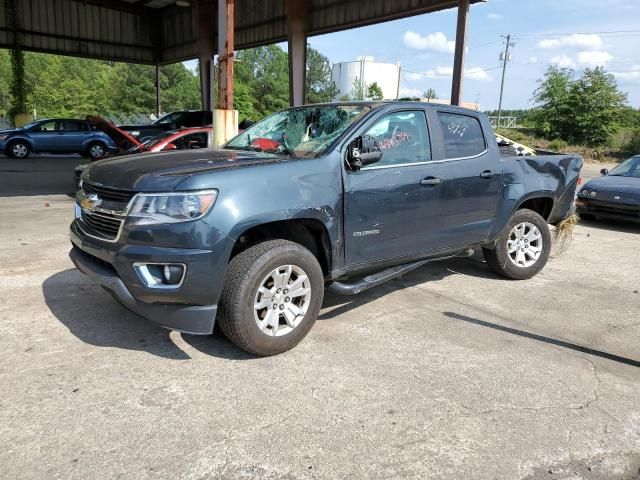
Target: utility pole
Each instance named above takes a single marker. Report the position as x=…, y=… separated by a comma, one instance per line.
x=505, y=59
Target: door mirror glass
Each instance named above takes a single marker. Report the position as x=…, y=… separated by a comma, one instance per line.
x=362, y=151
x=604, y=171
x=169, y=146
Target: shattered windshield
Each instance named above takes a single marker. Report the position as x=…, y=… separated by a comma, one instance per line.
x=303, y=132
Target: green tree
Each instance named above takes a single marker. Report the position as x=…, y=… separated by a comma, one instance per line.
x=584, y=111
x=179, y=88
x=18, y=90
x=320, y=86
x=265, y=72
x=598, y=103
x=6, y=76
x=358, y=89
x=430, y=94
x=374, y=92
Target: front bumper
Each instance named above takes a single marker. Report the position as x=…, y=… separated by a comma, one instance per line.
x=196, y=319
x=609, y=210
x=189, y=307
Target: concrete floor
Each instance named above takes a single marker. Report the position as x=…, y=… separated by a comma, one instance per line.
x=448, y=372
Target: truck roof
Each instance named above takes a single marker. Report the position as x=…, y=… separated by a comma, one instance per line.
x=381, y=103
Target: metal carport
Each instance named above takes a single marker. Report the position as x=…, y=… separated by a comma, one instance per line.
x=165, y=31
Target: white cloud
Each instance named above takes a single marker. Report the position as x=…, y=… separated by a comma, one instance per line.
x=410, y=92
x=436, y=41
x=633, y=74
x=533, y=60
x=440, y=72
x=580, y=40
x=494, y=16
x=594, y=58
x=563, y=61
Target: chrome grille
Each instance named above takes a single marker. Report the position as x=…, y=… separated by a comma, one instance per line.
x=102, y=225
x=108, y=194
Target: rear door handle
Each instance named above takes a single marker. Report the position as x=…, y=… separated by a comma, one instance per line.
x=430, y=182
x=487, y=174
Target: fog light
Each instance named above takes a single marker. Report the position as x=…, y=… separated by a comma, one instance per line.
x=173, y=274
x=161, y=275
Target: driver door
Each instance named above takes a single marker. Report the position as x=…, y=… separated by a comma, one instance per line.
x=392, y=206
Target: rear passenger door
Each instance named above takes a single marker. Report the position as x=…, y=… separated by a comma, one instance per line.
x=472, y=177
x=74, y=134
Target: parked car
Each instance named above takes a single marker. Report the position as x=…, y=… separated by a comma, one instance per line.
x=615, y=195
x=185, y=139
x=346, y=194
x=56, y=136
x=170, y=121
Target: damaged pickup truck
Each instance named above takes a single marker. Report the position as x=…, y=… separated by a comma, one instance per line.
x=343, y=196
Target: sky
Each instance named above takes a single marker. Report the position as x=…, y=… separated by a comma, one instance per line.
x=575, y=34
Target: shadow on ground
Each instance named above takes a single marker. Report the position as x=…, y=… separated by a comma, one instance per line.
x=93, y=316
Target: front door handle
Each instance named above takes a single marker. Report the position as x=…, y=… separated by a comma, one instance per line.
x=430, y=182
x=487, y=174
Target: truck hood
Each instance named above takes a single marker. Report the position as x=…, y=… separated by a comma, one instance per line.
x=164, y=171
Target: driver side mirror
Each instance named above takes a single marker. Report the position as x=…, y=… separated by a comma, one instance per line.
x=604, y=171
x=362, y=151
x=169, y=146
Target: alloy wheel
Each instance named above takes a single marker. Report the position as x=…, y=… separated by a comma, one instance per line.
x=282, y=300
x=524, y=244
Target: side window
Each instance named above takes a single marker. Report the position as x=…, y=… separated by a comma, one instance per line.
x=192, y=119
x=403, y=138
x=463, y=135
x=46, y=126
x=72, y=126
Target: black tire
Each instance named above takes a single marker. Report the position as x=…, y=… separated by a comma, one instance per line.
x=499, y=259
x=587, y=216
x=96, y=150
x=18, y=149
x=243, y=278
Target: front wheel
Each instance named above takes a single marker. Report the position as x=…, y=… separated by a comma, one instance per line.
x=523, y=248
x=271, y=297
x=18, y=149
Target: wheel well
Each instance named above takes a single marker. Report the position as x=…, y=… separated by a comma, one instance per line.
x=310, y=233
x=540, y=205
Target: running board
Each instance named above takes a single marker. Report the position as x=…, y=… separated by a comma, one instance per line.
x=376, y=279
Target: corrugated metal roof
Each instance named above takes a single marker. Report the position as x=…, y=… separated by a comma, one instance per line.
x=144, y=31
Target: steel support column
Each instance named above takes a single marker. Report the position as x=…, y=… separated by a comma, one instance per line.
x=158, y=106
x=204, y=19
x=461, y=45
x=297, y=48
x=226, y=12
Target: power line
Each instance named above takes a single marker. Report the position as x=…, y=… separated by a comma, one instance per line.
x=436, y=74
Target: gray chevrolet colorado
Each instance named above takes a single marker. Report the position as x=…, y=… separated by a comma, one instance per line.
x=343, y=196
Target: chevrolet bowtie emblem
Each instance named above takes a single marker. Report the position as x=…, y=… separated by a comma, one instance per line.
x=90, y=202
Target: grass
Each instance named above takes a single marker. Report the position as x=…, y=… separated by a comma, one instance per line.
x=613, y=154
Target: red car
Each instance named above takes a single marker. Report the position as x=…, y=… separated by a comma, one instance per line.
x=183, y=139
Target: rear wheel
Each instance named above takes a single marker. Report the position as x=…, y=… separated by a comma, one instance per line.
x=18, y=149
x=97, y=150
x=271, y=297
x=523, y=248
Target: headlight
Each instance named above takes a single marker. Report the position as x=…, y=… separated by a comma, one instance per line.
x=584, y=192
x=152, y=208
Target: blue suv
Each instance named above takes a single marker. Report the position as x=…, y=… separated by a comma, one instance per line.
x=56, y=136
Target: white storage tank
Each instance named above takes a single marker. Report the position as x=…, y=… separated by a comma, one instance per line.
x=386, y=75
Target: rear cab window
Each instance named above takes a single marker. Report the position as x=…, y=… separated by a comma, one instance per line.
x=463, y=135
